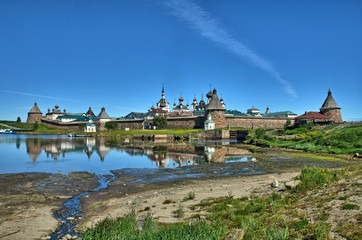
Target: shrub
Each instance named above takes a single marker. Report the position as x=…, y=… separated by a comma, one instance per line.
x=111, y=125
x=349, y=206
x=260, y=133
x=35, y=126
x=313, y=177
x=160, y=122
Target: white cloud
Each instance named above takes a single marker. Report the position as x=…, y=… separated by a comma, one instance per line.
x=63, y=99
x=204, y=23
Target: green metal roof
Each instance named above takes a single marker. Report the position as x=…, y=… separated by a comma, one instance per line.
x=279, y=113
x=235, y=112
x=78, y=118
x=209, y=121
x=200, y=111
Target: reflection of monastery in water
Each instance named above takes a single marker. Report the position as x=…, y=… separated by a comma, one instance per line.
x=162, y=156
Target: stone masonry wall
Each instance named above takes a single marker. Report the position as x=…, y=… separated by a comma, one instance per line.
x=131, y=124
x=257, y=122
x=34, y=117
x=218, y=117
x=185, y=122
x=334, y=115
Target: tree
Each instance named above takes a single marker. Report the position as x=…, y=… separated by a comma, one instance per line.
x=18, y=119
x=287, y=123
x=111, y=125
x=35, y=126
x=160, y=121
x=260, y=133
x=81, y=126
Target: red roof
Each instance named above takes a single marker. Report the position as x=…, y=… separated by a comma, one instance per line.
x=312, y=115
x=158, y=110
x=179, y=114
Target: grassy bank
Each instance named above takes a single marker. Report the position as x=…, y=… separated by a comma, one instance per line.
x=326, y=203
x=347, y=140
x=43, y=129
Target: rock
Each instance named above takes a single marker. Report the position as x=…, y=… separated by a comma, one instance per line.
x=229, y=205
x=236, y=234
x=68, y=236
x=274, y=184
x=292, y=184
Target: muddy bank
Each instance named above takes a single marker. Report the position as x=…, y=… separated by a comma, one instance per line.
x=162, y=200
x=28, y=201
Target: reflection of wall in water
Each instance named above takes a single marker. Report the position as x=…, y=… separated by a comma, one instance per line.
x=33, y=148
x=102, y=149
x=57, y=147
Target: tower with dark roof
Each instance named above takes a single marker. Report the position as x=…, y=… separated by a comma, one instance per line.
x=34, y=115
x=216, y=110
x=90, y=112
x=202, y=104
x=331, y=109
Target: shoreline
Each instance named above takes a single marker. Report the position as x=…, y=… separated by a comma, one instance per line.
x=32, y=216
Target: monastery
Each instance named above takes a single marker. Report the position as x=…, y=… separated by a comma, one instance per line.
x=210, y=115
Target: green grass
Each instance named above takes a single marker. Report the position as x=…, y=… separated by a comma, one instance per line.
x=349, y=206
x=312, y=178
x=190, y=196
x=126, y=228
x=347, y=140
x=180, y=211
x=273, y=216
x=168, y=201
x=177, y=132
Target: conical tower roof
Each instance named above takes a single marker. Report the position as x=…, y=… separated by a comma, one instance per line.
x=35, y=109
x=102, y=115
x=329, y=103
x=90, y=112
x=214, y=103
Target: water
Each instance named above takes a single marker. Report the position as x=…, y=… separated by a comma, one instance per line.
x=135, y=163
x=70, y=213
x=59, y=153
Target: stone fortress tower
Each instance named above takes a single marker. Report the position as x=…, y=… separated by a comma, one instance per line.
x=331, y=109
x=215, y=109
x=34, y=115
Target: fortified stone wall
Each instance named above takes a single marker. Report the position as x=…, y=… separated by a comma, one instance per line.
x=218, y=117
x=131, y=124
x=334, y=115
x=185, y=122
x=34, y=117
x=217, y=134
x=257, y=122
x=182, y=123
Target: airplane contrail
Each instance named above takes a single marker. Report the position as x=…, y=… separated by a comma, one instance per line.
x=209, y=27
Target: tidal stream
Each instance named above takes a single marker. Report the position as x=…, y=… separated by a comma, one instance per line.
x=70, y=213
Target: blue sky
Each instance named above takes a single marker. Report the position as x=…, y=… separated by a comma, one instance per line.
x=116, y=54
